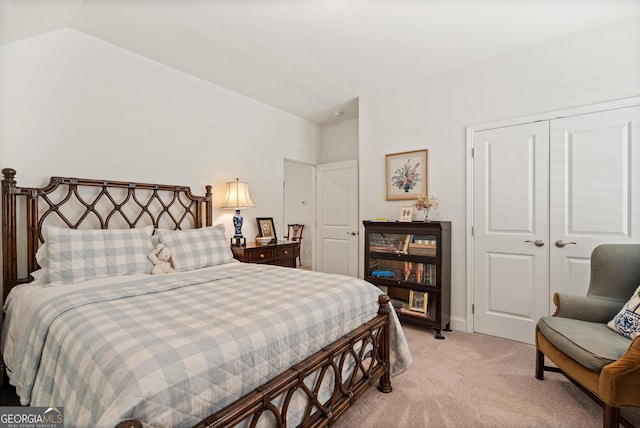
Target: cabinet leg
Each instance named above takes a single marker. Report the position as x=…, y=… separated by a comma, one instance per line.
x=438, y=334
x=447, y=328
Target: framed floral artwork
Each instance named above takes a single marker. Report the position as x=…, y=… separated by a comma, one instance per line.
x=406, y=175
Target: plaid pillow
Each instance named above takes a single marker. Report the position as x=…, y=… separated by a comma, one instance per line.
x=77, y=255
x=197, y=248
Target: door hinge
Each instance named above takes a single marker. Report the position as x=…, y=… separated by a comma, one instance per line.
x=473, y=152
x=473, y=308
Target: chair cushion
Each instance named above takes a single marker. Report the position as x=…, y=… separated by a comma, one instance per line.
x=593, y=345
x=627, y=322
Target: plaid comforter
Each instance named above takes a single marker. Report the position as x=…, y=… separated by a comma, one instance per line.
x=169, y=350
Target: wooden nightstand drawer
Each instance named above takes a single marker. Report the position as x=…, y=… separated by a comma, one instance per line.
x=281, y=253
x=286, y=252
x=260, y=255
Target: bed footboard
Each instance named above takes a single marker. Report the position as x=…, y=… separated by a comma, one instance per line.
x=367, y=348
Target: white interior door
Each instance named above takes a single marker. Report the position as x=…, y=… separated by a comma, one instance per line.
x=337, y=203
x=595, y=191
x=511, y=252
x=570, y=184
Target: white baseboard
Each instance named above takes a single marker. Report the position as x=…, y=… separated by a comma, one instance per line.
x=459, y=324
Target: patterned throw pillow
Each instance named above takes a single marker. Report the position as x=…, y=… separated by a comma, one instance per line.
x=627, y=322
x=197, y=248
x=74, y=255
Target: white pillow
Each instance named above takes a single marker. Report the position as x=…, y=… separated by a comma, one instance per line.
x=627, y=322
x=38, y=277
x=197, y=248
x=41, y=255
x=77, y=255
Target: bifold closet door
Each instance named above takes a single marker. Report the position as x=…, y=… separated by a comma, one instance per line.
x=594, y=191
x=545, y=195
x=511, y=226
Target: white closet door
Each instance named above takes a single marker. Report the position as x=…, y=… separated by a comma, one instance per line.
x=594, y=193
x=511, y=213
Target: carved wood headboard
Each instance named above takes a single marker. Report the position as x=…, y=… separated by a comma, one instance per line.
x=88, y=204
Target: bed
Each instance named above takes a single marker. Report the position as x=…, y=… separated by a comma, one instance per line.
x=218, y=343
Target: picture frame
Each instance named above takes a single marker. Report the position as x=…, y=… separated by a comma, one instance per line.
x=418, y=301
x=407, y=175
x=266, y=228
x=406, y=214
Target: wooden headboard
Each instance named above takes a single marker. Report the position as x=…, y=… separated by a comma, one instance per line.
x=87, y=204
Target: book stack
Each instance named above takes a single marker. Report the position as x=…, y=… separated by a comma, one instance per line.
x=420, y=272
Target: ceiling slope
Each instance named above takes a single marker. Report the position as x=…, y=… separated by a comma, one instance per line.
x=314, y=57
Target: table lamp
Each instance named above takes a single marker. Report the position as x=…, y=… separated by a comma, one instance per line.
x=237, y=198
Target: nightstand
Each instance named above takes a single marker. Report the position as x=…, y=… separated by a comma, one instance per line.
x=280, y=254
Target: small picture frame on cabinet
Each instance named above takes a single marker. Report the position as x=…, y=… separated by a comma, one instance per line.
x=406, y=214
x=266, y=228
x=418, y=301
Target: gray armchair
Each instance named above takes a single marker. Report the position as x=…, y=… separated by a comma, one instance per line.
x=602, y=362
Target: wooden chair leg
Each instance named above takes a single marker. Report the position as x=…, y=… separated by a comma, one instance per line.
x=611, y=417
x=539, y=364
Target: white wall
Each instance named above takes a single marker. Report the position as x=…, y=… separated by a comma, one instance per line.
x=587, y=68
x=339, y=141
x=73, y=105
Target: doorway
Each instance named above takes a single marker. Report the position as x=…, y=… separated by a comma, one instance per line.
x=299, y=195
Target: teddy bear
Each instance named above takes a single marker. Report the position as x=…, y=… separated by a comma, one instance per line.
x=161, y=259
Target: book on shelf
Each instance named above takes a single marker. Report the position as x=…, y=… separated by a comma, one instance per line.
x=411, y=313
x=408, y=271
x=383, y=248
x=405, y=244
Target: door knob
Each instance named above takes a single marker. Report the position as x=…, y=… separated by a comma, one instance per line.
x=561, y=244
x=538, y=242
x=352, y=233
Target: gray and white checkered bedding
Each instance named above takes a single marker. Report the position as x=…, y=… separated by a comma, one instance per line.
x=197, y=248
x=171, y=349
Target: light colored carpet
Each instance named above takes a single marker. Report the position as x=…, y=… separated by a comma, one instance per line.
x=474, y=380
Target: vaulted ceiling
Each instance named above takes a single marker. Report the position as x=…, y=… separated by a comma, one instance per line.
x=314, y=57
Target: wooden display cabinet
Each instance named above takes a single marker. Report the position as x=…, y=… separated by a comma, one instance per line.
x=411, y=262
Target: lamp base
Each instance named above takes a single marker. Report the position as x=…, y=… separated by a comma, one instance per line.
x=240, y=241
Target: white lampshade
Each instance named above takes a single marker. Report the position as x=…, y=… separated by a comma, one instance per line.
x=237, y=196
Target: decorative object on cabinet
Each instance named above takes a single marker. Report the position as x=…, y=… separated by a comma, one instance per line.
x=237, y=198
x=413, y=261
x=406, y=175
x=274, y=253
x=294, y=233
x=406, y=214
x=426, y=203
x=263, y=240
x=266, y=228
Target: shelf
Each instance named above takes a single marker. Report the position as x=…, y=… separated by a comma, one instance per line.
x=391, y=282
x=411, y=262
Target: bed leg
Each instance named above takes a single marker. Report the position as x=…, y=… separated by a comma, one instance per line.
x=385, y=351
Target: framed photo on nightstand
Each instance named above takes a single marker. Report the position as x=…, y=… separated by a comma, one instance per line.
x=266, y=228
